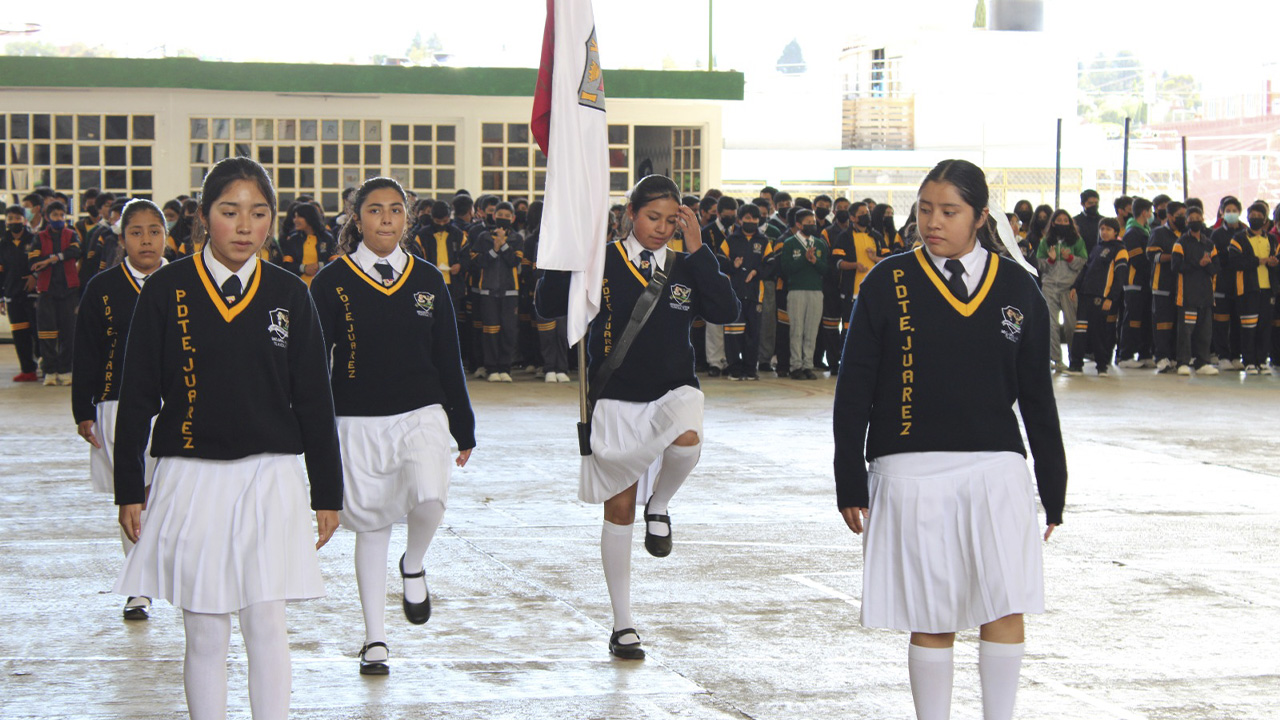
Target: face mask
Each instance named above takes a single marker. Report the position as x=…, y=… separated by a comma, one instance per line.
x=821, y=213
x=57, y=225
x=1196, y=226
x=862, y=221
x=521, y=217
x=1231, y=218
x=1040, y=223
x=727, y=220
x=749, y=228
x=1256, y=223
x=810, y=230
x=1062, y=232
x=115, y=227
x=168, y=225
x=1162, y=214
x=1024, y=216
x=782, y=209
x=842, y=217
x=16, y=228
x=1091, y=212
x=1180, y=224
x=503, y=223
x=27, y=212
x=888, y=223
x=488, y=220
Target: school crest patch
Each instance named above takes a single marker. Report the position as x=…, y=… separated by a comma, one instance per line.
x=425, y=302
x=279, y=327
x=591, y=89
x=680, y=296
x=1011, y=325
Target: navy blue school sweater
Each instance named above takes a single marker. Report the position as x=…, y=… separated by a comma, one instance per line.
x=394, y=349
x=102, y=330
x=1195, y=281
x=661, y=359
x=227, y=382
x=1106, y=270
x=925, y=372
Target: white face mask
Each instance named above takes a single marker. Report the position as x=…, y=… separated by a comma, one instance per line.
x=115, y=227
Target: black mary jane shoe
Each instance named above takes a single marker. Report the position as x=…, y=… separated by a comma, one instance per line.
x=374, y=667
x=137, y=612
x=629, y=651
x=416, y=613
x=657, y=545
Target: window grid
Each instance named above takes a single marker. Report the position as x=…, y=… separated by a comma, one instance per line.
x=72, y=152
x=509, y=158
x=320, y=157
x=686, y=159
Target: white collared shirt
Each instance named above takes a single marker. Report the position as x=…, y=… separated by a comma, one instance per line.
x=634, y=248
x=221, y=273
x=366, y=259
x=140, y=277
x=973, y=263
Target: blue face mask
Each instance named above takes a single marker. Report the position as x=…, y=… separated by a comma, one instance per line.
x=57, y=225
x=1231, y=218
x=168, y=225
x=27, y=211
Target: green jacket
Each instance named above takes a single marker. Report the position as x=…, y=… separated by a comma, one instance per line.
x=799, y=273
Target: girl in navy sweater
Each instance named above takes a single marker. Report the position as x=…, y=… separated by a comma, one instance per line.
x=227, y=350
x=943, y=342
x=400, y=391
x=651, y=408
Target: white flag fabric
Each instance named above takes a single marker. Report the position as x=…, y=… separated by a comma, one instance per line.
x=575, y=215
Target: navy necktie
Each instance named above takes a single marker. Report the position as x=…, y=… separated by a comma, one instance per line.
x=231, y=289
x=956, y=282
x=386, y=271
x=646, y=264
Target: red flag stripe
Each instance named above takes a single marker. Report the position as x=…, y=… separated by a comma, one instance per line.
x=540, y=123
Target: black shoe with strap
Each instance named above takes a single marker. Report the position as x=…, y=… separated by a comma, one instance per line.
x=657, y=545
x=374, y=667
x=134, y=611
x=627, y=651
x=417, y=613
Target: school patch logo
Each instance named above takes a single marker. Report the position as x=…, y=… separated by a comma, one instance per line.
x=279, y=327
x=425, y=302
x=680, y=296
x=591, y=90
x=1012, y=323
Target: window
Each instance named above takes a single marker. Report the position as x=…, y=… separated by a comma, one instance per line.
x=72, y=153
x=320, y=157
x=686, y=159
x=511, y=165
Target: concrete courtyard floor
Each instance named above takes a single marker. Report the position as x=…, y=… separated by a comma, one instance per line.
x=1163, y=586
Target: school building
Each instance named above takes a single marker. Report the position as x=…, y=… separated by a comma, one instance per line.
x=152, y=128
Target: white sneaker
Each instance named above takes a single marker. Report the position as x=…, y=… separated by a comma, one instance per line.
x=1164, y=365
x=551, y=377
x=1149, y=364
x=505, y=377
x=1183, y=370
x=496, y=377
x=563, y=377
x=64, y=378
x=480, y=373
x=531, y=368
x=1129, y=364
x=1237, y=365
x=1207, y=370
x=1225, y=365
x=1214, y=359
x=1251, y=370
x=50, y=379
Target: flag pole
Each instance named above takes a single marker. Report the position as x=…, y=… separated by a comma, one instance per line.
x=584, y=413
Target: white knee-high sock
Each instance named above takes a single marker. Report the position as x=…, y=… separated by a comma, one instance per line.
x=204, y=671
x=371, y=579
x=266, y=642
x=423, y=520
x=932, y=671
x=999, y=665
x=615, y=553
x=677, y=462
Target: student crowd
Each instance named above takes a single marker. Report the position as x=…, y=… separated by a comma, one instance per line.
x=1161, y=285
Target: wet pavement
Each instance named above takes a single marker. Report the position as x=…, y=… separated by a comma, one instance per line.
x=1163, y=586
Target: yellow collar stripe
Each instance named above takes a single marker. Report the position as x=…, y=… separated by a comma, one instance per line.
x=965, y=309
x=215, y=293
x=377, y=285
x=127, y=274
x=630, y=265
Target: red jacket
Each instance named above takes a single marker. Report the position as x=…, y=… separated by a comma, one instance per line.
x=69, y=246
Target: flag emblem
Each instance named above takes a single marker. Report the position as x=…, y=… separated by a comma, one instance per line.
x=591, y=90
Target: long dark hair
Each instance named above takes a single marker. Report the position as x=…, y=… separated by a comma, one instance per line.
x=312, y=217
x=349, y=236
x=971, y=183
x=651, y=188
x=220, y=177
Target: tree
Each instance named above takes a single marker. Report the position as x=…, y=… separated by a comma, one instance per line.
x=40, y=48
x=423, y=53
x=980, y=14
x=792, y=59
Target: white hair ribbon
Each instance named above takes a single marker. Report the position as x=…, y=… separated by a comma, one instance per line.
x=1007, y=236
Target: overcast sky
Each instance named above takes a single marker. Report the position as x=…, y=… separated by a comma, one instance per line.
x=1178, y=35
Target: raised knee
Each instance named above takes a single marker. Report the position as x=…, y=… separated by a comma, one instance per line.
x=687, y=439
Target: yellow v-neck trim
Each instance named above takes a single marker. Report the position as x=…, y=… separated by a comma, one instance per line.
x=215, y=293
x=630, y=265
x=966, y=309
x=377, y=285
x=127, y=274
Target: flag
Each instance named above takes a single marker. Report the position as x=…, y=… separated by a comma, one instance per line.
x=569, y=125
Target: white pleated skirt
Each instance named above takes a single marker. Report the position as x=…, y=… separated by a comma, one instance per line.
x=102, y=461
x=952, y=542
x=392, y=464
x=627, y=437
x=221, y=535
